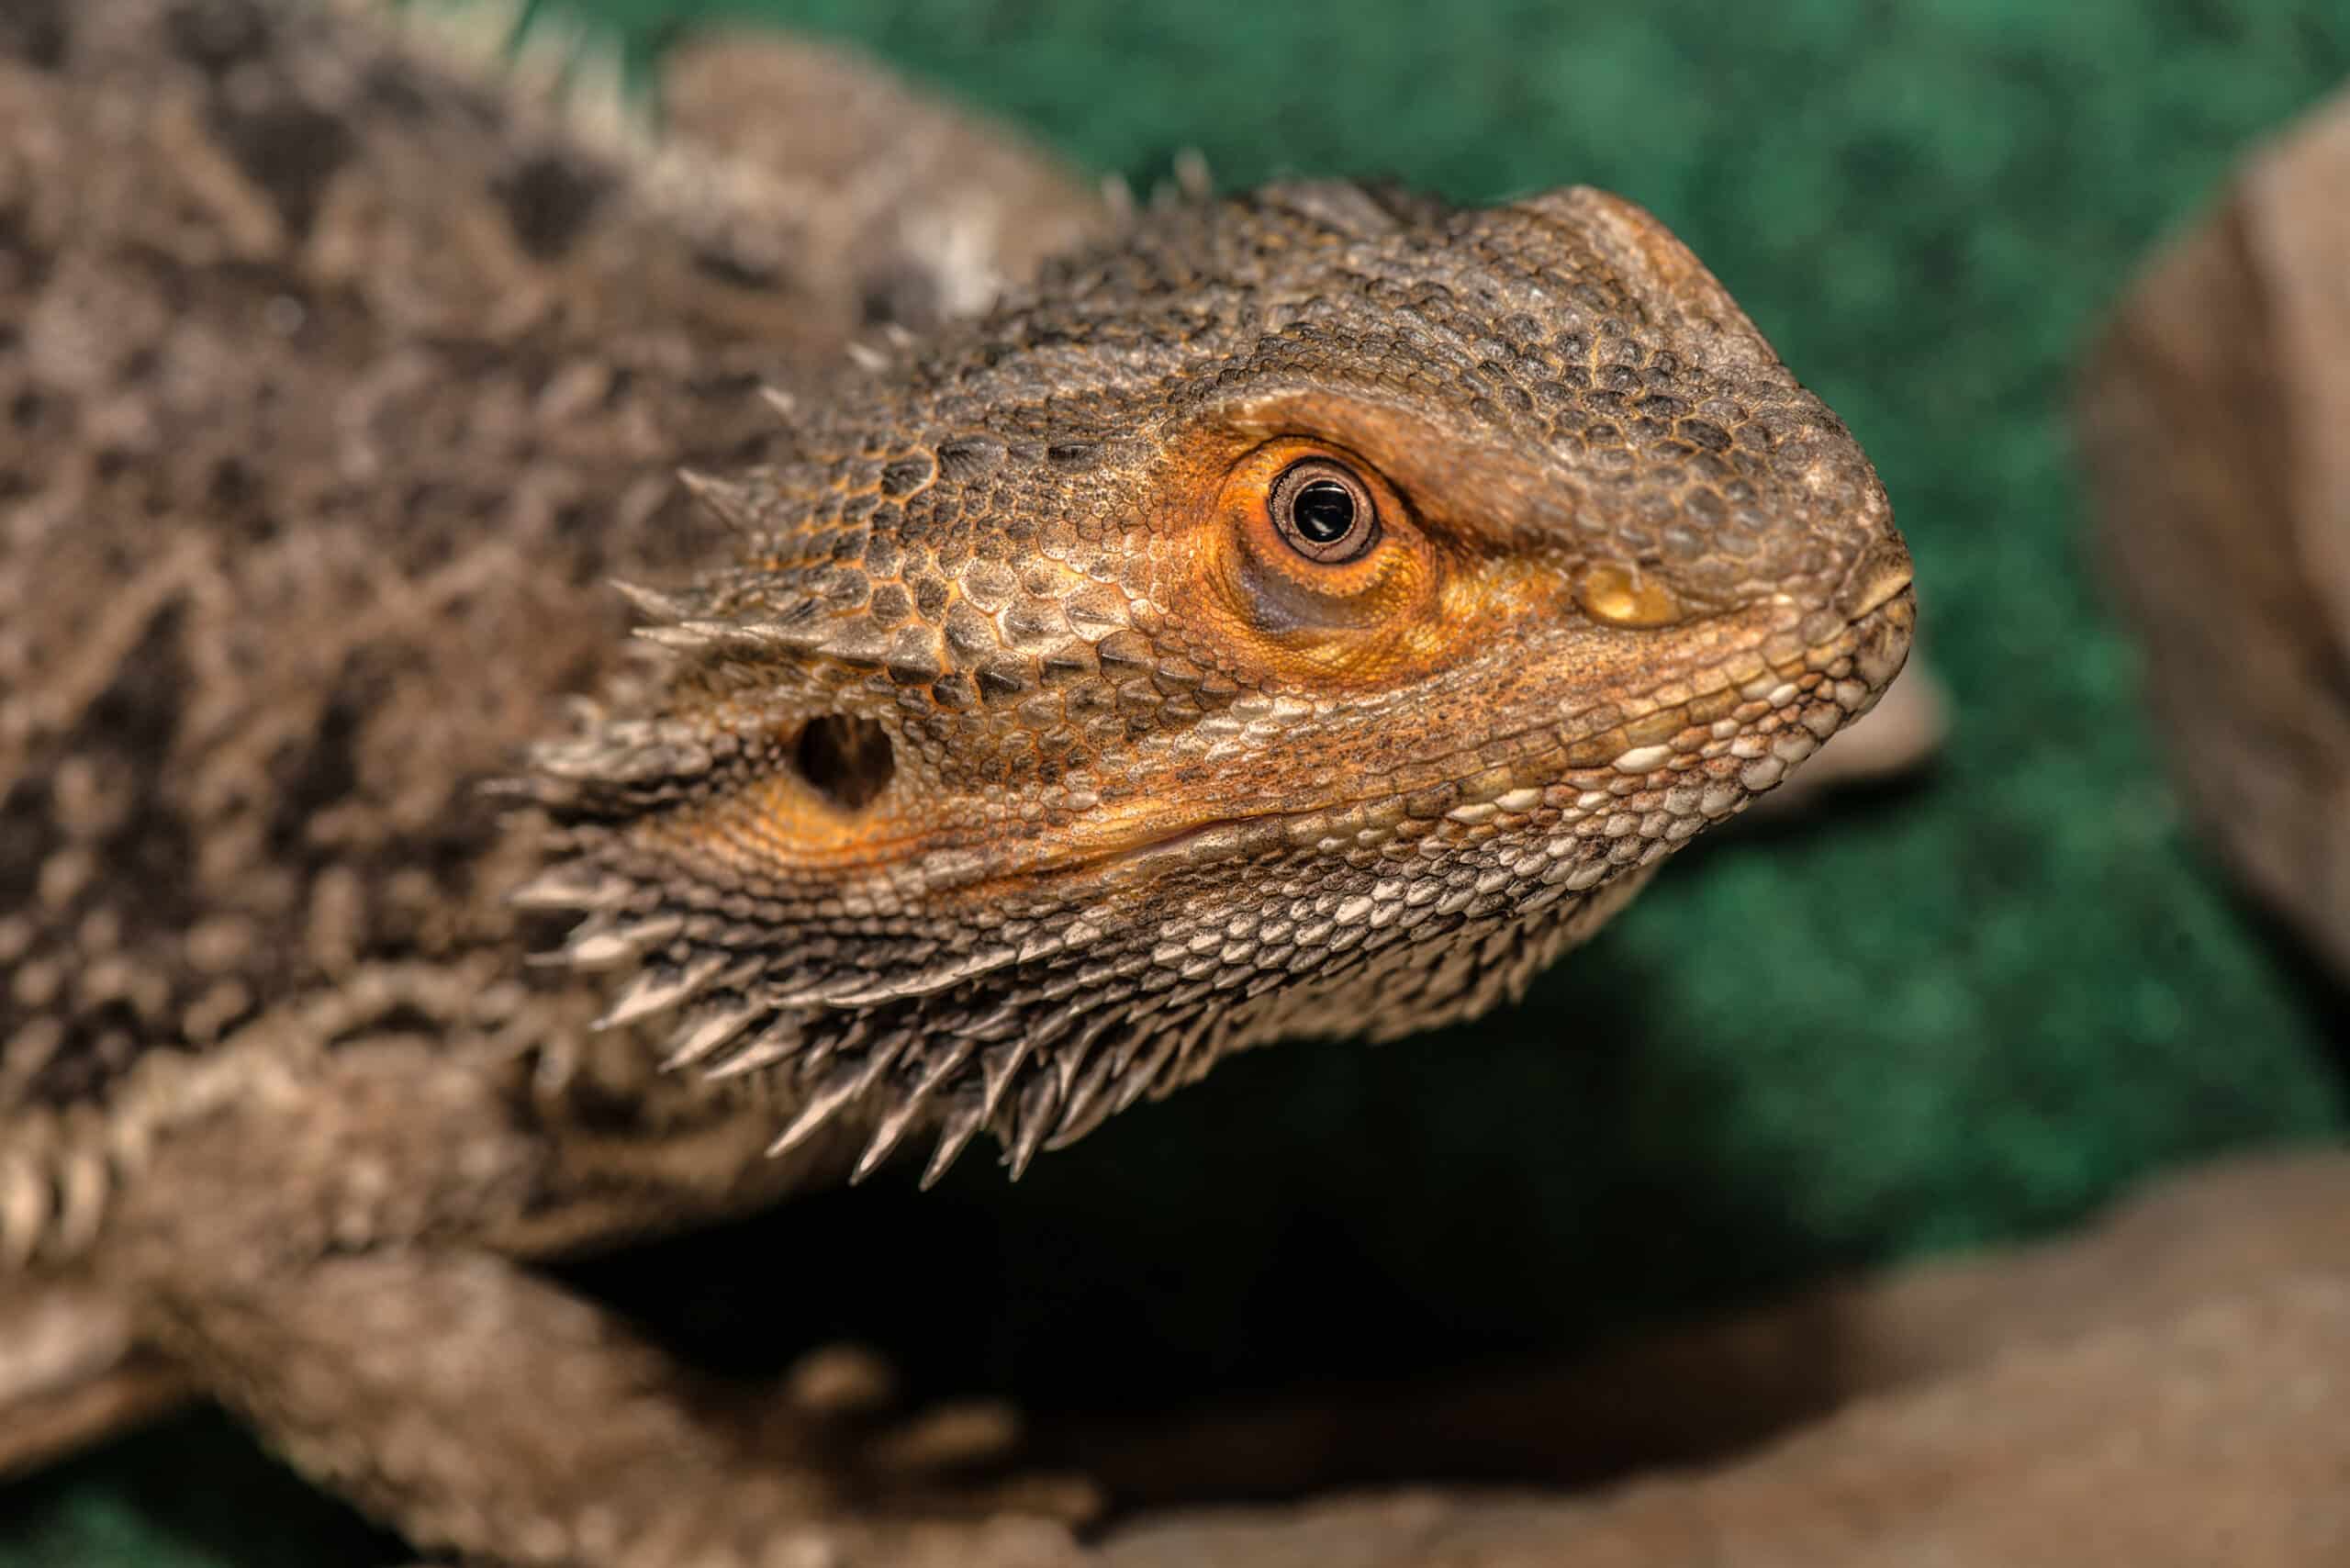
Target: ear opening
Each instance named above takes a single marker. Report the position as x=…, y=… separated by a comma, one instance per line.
x=847, y=760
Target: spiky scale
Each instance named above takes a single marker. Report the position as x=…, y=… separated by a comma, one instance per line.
x=660, y=987
x=1138, y=1079
x=998, y=1066
x=679, y=639
x=571, y=885
x=704, y=1035
x=1033, y=1120
x=782, y=1039
x=733, y=504
x=963, y=1120
x=912, y=1104
x=602, y=944
x=889, y=1135
x=841, y=1086
x=1087, y=1096
x=1068, y=1061
x=651, y=603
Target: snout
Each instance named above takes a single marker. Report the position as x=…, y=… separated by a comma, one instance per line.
x=1881, y=573
x=1879, y=599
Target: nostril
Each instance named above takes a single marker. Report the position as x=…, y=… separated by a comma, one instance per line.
x=847, y=760
x=1883, y=571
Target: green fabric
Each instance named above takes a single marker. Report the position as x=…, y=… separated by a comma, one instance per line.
x=1965, y=1011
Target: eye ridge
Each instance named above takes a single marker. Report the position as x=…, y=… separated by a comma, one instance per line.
x=1324, y=512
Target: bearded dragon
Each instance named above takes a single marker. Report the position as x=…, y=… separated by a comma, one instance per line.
x=434, y=837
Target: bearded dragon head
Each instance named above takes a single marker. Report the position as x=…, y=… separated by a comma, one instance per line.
x=1307, y=617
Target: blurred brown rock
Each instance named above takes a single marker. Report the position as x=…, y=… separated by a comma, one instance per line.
x=2171, y=1389
x=2215, y=419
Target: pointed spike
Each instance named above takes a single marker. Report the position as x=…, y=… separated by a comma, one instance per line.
x=732, y=504
x=1190, y=1062
x=902, y=1118
x=868, y=358
x=571, y=885
x=651, y=603
x=888, y=1135
x=881, y=1058
x=830, y=1096
x=680, y=639
x=658, y=988
x=1075, y=1130
x=877, y=1065
x=654, y=930
x=779, y=1041
x=1072, y=1058
x=785, y=405
x=1123, y=1054
x=825, y=1047
x=950, y=1063
x=714, y=1028
x=876, y=1155
x=1136, y=1080
x=965, y=1119
x=1035, y=1119
x=1006, y=1020
x=1086, y=1109
x=803, y=637
x=998, y=1067
x=868, y=990
x=801, y=988
x=599, y=945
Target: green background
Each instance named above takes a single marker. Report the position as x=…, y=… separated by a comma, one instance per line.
x=1964, y=1010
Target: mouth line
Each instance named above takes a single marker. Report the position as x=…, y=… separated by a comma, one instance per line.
x=1879, y=601
x=1884, y=571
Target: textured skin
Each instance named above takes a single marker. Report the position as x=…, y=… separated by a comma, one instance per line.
x=1157, y=795
x=984, y=761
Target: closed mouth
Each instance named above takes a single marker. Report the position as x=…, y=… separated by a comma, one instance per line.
x=1876, y=599
x=1883, y=571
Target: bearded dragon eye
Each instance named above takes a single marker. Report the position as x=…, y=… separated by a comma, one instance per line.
x=1324, y=512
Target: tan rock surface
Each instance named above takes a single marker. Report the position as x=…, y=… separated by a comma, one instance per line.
x=2215, y=421
x=2171, y=1389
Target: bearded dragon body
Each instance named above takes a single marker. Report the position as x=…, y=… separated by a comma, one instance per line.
x=1300, y=615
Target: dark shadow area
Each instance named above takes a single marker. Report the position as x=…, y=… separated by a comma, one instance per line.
x=200, y=1480
x=2321, y=995
x=1322, y=1253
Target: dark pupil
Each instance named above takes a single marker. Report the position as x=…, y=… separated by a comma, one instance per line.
x=1324, y=512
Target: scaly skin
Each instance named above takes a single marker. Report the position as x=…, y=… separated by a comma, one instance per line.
x=987, y=759
x=1147, y=784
